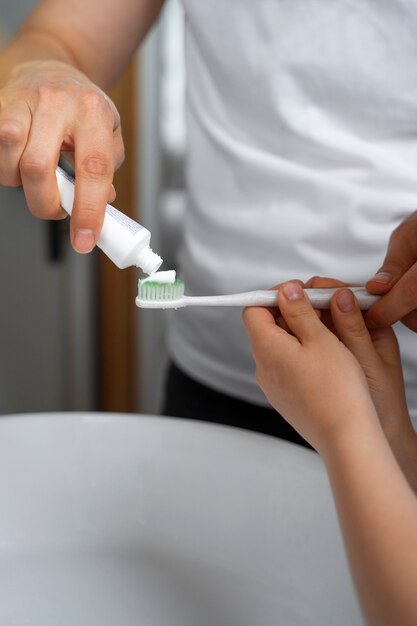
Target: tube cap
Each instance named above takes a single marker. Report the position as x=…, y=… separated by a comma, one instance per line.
x=148, y=261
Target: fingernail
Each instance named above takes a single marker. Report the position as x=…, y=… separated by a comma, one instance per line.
x=382, y=277
x=345, y=301
x=84, y=240
x=293, y=291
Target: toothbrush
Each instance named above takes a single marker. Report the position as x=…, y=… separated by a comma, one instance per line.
x=156, y=295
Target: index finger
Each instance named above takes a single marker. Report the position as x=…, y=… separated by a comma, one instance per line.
x=398, y=302
x=258, y=318
x=260, y=326
x=94, y=170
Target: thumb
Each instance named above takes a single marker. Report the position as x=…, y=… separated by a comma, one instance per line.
x=298, y=312
x=401, y=255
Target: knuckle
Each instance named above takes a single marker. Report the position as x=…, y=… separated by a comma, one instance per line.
x=90, y=214
x=94, y=101
x=356, y=327
x=34, y=210
x=44, y=211
x=34, y=167
x=302, y=311
x=96, y=166
x=47, y=92
x=12, y=133
x=88, y=209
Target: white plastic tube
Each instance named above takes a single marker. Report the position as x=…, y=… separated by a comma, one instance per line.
x=122, y=239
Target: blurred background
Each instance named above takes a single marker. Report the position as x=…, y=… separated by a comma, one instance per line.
x=71, y=337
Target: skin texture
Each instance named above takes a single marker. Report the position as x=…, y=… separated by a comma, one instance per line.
x=52, y=77
x=332, y=387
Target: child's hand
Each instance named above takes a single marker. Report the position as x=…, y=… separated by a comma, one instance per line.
x=309, y=376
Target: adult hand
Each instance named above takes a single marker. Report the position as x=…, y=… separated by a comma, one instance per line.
x=397, y=279
x=307, y=374
x=49, y=107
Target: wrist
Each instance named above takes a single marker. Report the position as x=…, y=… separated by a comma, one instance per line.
x=31, y=48
x=358, y=429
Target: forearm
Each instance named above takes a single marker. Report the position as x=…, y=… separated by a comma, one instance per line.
x=97, y=37
x=378, y=516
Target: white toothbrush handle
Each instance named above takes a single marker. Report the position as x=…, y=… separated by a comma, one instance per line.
x=320, y=298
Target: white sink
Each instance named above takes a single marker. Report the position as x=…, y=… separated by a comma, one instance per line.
x=146, y=521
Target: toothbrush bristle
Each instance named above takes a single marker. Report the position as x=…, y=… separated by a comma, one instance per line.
x=160, y=292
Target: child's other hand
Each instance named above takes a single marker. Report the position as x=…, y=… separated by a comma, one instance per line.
x=377, y=352
x=307, y=374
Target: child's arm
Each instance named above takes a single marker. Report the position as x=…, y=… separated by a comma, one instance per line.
x=378, y=353
x=377, y=511
x=319, y=386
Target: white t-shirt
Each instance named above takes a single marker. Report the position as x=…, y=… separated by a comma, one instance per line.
x=302, y=159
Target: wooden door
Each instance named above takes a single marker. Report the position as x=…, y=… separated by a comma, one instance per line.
x=117, y=369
